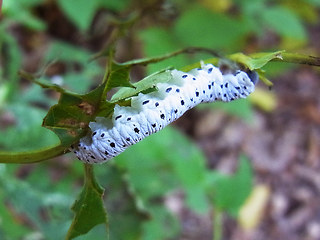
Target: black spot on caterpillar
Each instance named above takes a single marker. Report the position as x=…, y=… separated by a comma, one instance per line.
x=150, y=112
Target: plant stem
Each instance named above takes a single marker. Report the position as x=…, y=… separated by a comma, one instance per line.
x=298, y=58
x=217, y=224
x=88, y=173
x=90, y=179
x=188, y=50
x=32, y=156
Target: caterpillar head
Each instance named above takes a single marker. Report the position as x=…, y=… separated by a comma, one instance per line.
x=226, y=67
x=254, y=76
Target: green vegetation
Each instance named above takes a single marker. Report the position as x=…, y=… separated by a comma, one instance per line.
x=129, y=204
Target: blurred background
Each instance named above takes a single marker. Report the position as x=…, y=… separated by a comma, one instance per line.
x=242, y=170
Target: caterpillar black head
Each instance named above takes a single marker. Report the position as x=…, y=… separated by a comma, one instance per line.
x=227, y=67
x=254, y=76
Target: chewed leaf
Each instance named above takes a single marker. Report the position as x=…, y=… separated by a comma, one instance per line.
x=70, y=117
x=89, y=209
x=146, y=85
x=258, y=60
x=255, y=61
x=118, y=76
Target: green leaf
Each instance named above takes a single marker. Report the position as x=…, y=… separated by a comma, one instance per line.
x=70, y=117
x=158, y=228
x=146, y=85
x=158, y=41
x=80, y=12
x=230, y=192
x=8, y=224
x=141, y=176
x=189, y=167
x=25, y=199
x=12, y=64
x=20, y=12
x=66, y=52
x=27, y=133
x=256, y=61
x=285, y=22
x=4, y=93
x=114, y=4
x=185, y=165
x=35, y=94
x=201, y=27
x=197, y=199
x=118, y=76
x=88, y=208
x=28, y=20
x=67, y=121
x=78, y=80
x=314, y=2
x=119, y=73
x=127, y=217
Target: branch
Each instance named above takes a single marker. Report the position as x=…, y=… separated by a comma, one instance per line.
x=299, y=59
x=32, y=156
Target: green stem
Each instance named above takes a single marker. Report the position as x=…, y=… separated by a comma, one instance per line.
x=217, y=224
x=298, y=58
x=32, y=156
x=90, y=179
x=189, y=50
x=89, y=174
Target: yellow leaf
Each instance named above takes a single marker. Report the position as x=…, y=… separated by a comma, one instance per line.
x=264, y=99
x=251, y=212
x=217, y=5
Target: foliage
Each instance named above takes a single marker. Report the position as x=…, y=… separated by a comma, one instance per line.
x=20, y=11
x=28, y=203
x=89, y=210
x=36, y=206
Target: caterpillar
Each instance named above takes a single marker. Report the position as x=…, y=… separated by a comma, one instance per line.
x=151, y=112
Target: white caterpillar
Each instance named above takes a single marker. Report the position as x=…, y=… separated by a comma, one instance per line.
x=151, y=112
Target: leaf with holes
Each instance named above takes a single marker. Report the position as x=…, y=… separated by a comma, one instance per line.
x=89, y=208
